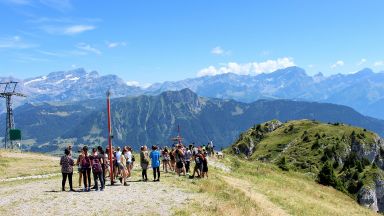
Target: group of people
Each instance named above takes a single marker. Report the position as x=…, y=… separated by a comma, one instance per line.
x=178, y=159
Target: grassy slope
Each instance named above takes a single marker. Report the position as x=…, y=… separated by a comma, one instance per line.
x=256, y=188
x=16, y=164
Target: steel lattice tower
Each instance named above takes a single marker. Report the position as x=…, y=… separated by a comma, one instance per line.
x=9, y=91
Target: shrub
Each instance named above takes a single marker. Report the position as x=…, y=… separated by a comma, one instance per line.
x=328, y=177
x=282, y=164
x=315, y=145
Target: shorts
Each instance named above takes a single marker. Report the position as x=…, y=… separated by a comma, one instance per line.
x=121, y=166
x=199, y=166
x=179, y=165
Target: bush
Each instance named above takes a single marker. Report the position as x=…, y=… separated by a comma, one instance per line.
x=282, y=164
x=328, y=177
x=315, y=145
x=306, y=139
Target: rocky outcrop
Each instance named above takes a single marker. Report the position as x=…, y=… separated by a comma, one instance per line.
x=372, y=196
x=367, y=198
x=370, y=151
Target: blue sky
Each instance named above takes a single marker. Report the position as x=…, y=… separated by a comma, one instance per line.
x=152, y=41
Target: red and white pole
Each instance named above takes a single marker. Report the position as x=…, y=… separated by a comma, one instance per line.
x=110, y=136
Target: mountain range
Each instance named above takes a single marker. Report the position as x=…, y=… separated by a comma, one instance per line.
x=363, y=91
x=150, y=120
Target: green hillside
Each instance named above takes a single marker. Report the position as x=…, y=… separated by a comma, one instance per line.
x=347, y=158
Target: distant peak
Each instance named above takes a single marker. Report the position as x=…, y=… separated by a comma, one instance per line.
x=319, y=74
x=291, y=71
x=365, y=71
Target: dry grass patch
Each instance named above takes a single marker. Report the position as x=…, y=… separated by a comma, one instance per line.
x=18, y=164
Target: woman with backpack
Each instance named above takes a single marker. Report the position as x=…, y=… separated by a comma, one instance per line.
x=66, y=163
x=86, y=170
x=166, y=159
x=172, y=159
x=144, y=162
x=205, y=166
x=97, y=169
x=179, y=156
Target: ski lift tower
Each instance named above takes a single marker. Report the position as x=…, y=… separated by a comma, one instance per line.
x=9, y=91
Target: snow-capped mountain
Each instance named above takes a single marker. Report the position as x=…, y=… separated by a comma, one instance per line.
x=363, y=91
x=73, y=85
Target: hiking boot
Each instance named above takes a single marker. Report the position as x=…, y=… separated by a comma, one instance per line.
x=121, y=180
x=101, y=189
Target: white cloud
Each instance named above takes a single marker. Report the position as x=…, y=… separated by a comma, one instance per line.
x=138, y=84
x=219, y=51
x=251, y=68
x=67, y=30
x=77, y=29
x=88, y=48
x=15, y=42
x=18, y=2
x=338, y=63
x=60, y=5
x=362, y=61
x=115, y=44
x=378, y=63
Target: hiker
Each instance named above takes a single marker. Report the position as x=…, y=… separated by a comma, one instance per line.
x=205, y=166
x=144, y=162
x=66, y=163
x=198, y=164
x=97, y=169
x=123, y=168
x=70, y=150
x=107, y=164
x=128, y=156
x=78, y=163
x=179, y=156
x=187, y=158
x=155, y=157
x=103, y=159
x=86, y=170
x=172, y=159
x=117, y=165
x=166, y=159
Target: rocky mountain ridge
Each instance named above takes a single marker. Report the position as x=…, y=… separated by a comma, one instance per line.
x=363, y=91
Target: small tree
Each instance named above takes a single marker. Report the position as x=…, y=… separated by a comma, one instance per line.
x=328, y=177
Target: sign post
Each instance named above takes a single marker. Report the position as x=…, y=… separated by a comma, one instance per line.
x=110, y=136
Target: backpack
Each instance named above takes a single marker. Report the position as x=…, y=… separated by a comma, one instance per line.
x=85, y=162
x=96, y=166
x=198, y=159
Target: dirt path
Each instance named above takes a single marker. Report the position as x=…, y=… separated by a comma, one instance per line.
x=45, y=198
x=268, y=208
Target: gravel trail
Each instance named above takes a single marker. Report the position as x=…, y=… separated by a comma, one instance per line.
x=44, y=197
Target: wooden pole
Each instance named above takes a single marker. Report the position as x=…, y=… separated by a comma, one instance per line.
x=110, y=137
